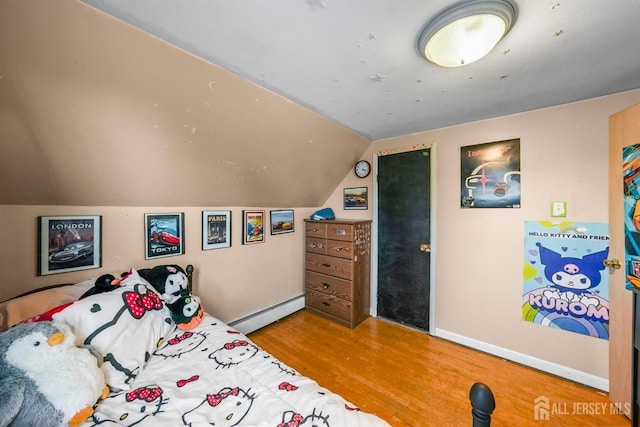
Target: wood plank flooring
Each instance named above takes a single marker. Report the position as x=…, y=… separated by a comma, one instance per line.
x=410, y=378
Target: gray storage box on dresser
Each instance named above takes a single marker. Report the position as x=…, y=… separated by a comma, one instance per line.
x=338, y=269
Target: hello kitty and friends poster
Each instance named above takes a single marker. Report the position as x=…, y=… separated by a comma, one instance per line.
x=566, y=284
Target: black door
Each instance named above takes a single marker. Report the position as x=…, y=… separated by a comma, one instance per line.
x=404, y=239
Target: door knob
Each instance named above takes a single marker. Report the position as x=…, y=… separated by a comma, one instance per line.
x=612, y=263
x=425, y=247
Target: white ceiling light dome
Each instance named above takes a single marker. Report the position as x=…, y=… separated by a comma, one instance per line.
x=466, y=31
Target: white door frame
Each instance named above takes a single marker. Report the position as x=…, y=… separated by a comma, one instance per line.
x=374, y=231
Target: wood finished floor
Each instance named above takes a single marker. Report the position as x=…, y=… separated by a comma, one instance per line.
x=410, y=378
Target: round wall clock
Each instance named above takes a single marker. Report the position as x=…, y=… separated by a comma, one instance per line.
x=362, y=169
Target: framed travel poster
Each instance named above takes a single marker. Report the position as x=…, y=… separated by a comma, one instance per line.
x=356, y=198
x=164, y=235
x=252, y=227
x=216, y=229
x=69, y=243
x=282, y=221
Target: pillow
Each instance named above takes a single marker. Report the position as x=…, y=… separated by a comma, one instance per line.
x=18, y=309
x=124, y=325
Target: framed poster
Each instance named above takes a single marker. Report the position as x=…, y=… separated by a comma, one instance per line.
x=282, y=221
x=69, y=243
x=164, y=235
x=356, y=198
x=631, y=192
x=490, y=175
x=252, y=227
x=216, y=229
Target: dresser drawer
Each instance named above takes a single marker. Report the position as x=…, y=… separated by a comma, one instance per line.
x=328, y=285
x=342, y=232
x=332, y=266
x=316, y=229
x=329, y=304
x=317, y=246
x=339, y=248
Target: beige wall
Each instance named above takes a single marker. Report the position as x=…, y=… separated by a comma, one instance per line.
x=96, y=112
x=232, y=282
x=81, y=89
x=98, y=117
x=479, y=253
x=564, y=157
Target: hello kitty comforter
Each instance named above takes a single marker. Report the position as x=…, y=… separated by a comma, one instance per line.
x=214, y=375
x=210, y=375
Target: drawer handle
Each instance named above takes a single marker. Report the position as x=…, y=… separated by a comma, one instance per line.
x=324, y=264
x=326, y=285
x=326, y=303
x=338, y=249
x=341, y=232
x=315, y=230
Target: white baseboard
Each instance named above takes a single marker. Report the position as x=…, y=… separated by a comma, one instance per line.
x=278, y=311
x=543, y=365
x=268, y=315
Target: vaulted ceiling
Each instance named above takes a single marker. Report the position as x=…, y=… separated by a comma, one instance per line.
x=356, y=61
x=95, y=112
x=263, y=103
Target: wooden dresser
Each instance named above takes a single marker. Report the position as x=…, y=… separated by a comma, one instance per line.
x=337, y=269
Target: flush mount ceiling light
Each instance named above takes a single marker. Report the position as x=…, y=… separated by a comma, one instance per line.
x=466, y=32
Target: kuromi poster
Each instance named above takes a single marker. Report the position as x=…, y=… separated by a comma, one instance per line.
x=566, y=284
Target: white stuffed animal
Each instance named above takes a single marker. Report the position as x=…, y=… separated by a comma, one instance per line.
x=45, y=380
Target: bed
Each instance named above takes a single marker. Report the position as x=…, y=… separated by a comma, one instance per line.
x=161, y=375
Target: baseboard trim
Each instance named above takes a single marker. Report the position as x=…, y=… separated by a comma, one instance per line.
x=524, y=359
x=266, y=316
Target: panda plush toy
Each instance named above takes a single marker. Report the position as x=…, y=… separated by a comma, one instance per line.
x=169, y=280
x=172, y=284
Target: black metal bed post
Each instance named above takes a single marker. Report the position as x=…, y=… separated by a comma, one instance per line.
x=482, y=403
x=189, y=271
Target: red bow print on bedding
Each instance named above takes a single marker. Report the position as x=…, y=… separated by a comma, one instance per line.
x=232, y=345
x=148, y=394
x=287, y=386
x=182, y=383
x=296, y=420
x=215, y=399
x=138, y=304
x=178, y=339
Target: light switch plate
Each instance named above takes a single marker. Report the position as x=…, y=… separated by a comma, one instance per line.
x=559, y=209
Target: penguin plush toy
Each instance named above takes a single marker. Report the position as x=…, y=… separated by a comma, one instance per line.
x=45, y=380
x=104, y=283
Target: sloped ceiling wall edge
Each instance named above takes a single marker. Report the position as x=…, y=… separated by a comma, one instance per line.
x=95, y=112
